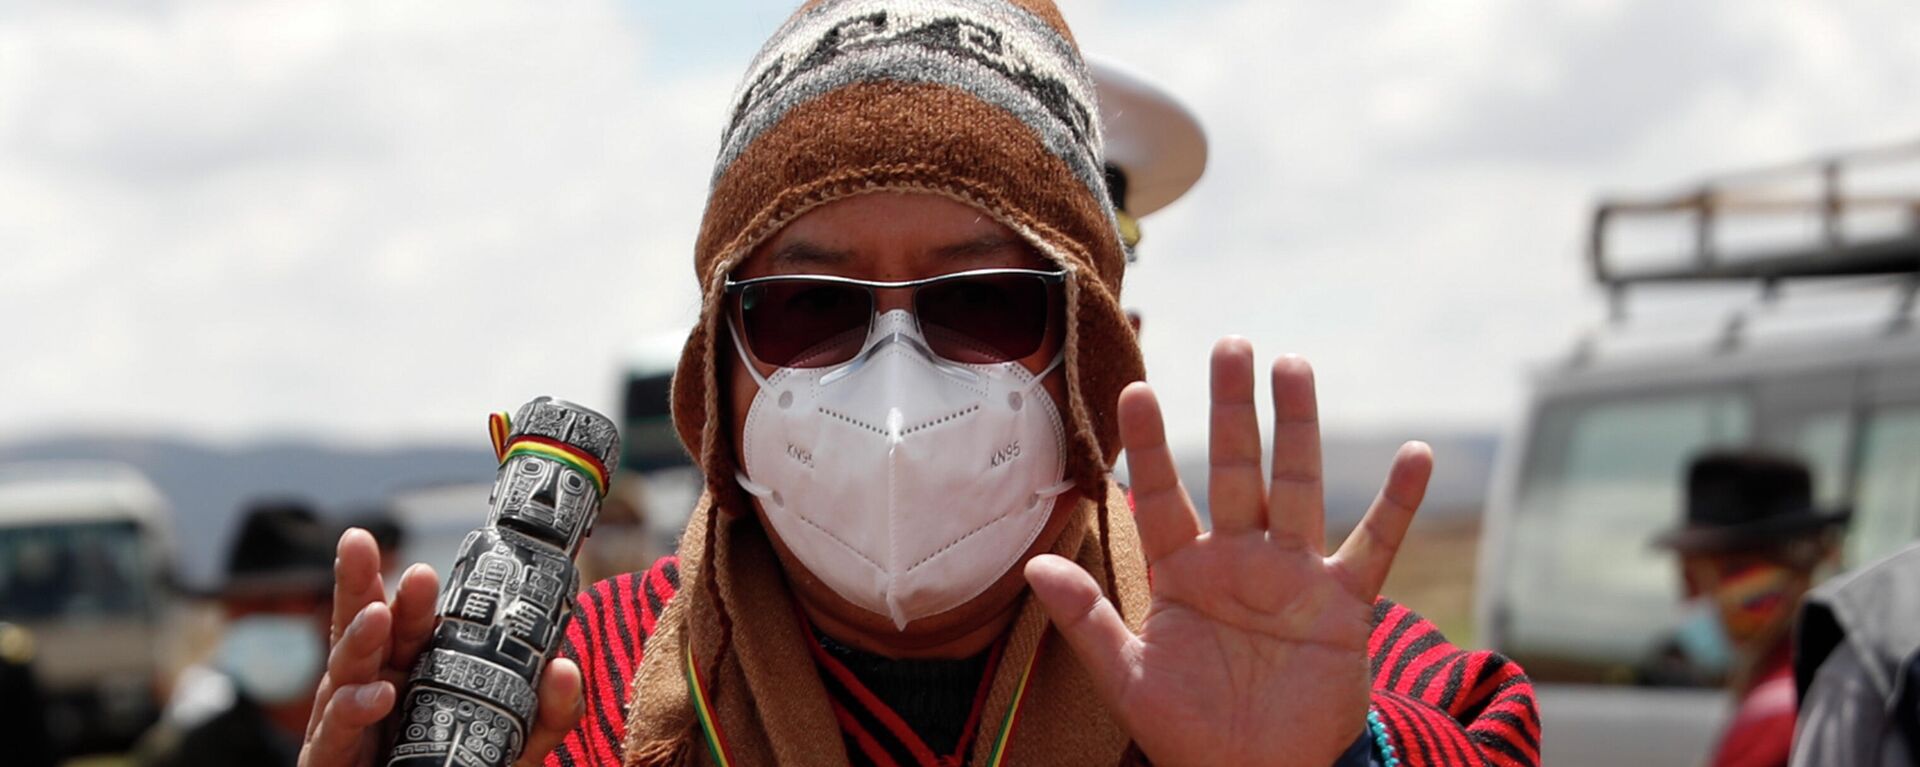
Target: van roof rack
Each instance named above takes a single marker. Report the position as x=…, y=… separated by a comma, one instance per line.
x=1832, y=192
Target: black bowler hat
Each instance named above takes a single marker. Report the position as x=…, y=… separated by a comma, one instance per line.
x=282, y=548
x=1741, y=500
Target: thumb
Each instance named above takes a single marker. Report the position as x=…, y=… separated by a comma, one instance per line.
x=1104, y=644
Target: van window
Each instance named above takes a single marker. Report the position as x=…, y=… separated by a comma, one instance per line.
x=71, y=571
x=1887, y=510
x=1822, y=441
x=1586, y=589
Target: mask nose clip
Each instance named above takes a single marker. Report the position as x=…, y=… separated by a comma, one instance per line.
x=897, y=336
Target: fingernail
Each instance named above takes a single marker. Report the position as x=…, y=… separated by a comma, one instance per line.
x=368, y=694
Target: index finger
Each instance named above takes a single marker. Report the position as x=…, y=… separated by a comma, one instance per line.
x=1162, y=510
x=356, y=578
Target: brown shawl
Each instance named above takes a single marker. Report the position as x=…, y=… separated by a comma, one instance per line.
x=768, y=696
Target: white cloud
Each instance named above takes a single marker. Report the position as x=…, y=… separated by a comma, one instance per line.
x=376, y=220
x=1399, y=190
x=369, y=221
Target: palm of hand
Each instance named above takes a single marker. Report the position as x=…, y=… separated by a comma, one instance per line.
x=1254, y=650
x=1244, y=631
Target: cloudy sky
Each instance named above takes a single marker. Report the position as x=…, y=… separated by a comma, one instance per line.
x=373, y=221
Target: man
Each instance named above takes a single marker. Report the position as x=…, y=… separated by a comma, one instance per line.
x=1749, y=549
x=906, y=392
x=1857, y=667
x=249, y=705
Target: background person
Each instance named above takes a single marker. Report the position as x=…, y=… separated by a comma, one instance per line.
x=1748, y=551
x=249, y=704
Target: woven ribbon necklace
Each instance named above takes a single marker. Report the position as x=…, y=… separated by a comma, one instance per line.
x=717, y=744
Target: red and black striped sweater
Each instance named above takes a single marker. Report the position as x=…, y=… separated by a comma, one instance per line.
x=1442, y=706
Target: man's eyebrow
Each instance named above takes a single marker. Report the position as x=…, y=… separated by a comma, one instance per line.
x=980, y=247
x=803, y=253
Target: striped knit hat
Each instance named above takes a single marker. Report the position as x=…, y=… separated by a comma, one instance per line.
x=983, y=101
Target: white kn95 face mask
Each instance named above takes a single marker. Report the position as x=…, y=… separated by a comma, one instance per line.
x=906, y=482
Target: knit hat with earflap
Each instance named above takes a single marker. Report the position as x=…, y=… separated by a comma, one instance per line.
x=985, y=102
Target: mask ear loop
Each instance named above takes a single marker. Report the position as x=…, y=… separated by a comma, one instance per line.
x=1058, y=488
x=1054, y=490
x=754, y=488
x=739, y=347
x=1038, y=378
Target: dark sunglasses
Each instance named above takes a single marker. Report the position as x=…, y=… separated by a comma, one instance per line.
x=982, y=316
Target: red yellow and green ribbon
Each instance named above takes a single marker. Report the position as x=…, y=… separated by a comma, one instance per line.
x=1013, y=708
x=710, y=723
x=499, y=426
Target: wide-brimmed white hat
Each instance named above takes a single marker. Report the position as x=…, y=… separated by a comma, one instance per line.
x=1154, y=139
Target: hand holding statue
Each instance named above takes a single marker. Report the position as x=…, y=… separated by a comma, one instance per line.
x=374, y=645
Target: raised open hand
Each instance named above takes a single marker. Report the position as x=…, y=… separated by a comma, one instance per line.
x=374, y=645
x=1255, y=648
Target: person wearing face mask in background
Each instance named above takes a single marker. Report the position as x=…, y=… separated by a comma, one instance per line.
x=1749, y=550
x=908, y=385
x=248, y=704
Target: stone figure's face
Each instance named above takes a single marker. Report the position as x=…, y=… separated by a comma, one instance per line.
x=547, y=494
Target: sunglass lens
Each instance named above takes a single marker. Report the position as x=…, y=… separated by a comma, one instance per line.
x=805, y=323
x=985, y=318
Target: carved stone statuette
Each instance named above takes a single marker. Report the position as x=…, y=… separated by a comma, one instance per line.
x=470, y=701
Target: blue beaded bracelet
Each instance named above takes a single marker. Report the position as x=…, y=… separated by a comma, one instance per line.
x=1382, y=744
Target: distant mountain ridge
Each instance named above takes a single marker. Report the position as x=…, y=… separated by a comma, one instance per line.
x=1354, y=465
x=205, y=485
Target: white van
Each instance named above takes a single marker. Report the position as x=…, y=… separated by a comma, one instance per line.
x=1814, y=356
x=83, y=558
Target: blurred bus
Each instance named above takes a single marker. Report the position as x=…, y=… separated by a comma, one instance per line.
x=83, y=559
x=1810, y=350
